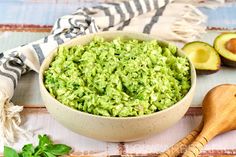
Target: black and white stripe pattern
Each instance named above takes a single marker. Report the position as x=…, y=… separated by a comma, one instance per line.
x=153, y=20
x=14, y=63
x=134, y=15
x=85, y=20
x=1, y=55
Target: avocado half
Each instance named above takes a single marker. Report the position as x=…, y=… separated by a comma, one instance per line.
x=203, y=56
x=225, y=45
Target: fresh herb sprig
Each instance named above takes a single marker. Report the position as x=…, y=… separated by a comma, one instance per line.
x=45, y=148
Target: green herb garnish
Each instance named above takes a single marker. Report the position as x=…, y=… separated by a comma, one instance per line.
x=45, y=148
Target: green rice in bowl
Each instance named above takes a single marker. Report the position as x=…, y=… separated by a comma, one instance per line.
x=118, y=78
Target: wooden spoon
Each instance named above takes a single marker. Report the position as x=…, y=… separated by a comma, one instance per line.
x=182, y=145
x=219, y=115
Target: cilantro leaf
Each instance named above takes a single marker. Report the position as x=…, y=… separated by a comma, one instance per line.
x=58, y=149
x=9, y=152
x=45, y=148
x=26, y=154
x=44, y=140
x=47, y=154
x=28, y=148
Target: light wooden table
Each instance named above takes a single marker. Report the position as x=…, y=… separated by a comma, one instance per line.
x=39, y=121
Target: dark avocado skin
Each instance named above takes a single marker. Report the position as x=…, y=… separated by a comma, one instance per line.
x=204, y=71
x=225, y=61
x=228, y=62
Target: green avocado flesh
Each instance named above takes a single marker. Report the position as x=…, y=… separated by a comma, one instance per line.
x=118, y=78
x=203, y=56
x=220, y=44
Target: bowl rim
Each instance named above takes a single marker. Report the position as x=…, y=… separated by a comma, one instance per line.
x=153, y=37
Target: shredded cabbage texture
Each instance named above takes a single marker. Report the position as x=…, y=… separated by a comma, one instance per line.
x=118, y=78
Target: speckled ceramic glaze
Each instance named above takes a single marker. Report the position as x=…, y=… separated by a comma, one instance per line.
x=114, y=129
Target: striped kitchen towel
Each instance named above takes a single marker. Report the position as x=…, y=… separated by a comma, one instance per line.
x=166, y=19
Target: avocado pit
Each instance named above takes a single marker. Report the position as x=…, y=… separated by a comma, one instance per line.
x=231, y=45
x=225, y=45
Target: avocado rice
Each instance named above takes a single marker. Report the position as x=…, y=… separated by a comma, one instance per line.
x=118, y=78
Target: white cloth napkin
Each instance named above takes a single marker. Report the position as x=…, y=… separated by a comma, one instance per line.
x=167, y=20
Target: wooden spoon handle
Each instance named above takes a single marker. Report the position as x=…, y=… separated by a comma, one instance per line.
x=180, y=146
x=195, y=148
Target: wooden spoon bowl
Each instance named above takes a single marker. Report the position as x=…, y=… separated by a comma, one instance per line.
x=219, y=116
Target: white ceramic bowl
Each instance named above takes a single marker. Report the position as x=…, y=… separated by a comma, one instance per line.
x=114, y=129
